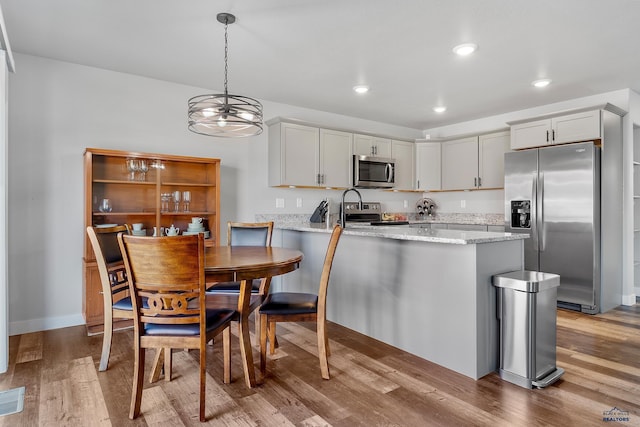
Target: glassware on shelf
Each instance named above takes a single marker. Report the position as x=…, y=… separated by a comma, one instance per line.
x=186, y=200
x=143, y=167
x=132, y=168
x=165, y=198
x=176, y=201
x=105, y=206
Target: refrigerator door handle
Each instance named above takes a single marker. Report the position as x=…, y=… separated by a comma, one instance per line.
x=534, y=209
x=541, y=215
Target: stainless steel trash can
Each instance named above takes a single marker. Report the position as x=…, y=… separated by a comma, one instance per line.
x=526, y=310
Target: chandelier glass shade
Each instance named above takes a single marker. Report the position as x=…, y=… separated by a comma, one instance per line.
x=225, y=115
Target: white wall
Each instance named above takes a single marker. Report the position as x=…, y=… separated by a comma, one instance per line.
x=4, y=294
x=58, y=109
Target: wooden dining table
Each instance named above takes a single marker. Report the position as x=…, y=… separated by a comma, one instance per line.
x=243, y=264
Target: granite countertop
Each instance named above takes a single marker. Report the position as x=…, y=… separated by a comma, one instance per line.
x=406, y=232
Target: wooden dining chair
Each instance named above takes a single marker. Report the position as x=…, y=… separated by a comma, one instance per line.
x=247, y=234
x=300, y=307
x=115, y=288
x=169, y=273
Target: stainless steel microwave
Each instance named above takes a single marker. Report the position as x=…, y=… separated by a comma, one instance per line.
x=373, y=172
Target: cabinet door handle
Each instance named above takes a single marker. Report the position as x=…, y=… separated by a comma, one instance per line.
x=479, y=181
x=475, y=181
x=323, y=178
x=553, y=135
x=418, y=186
x=318, y=179
x=547, y=136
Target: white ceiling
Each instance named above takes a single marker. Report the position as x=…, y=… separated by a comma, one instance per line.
x=310, y=53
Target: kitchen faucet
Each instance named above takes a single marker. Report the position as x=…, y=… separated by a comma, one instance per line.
x=342, y=213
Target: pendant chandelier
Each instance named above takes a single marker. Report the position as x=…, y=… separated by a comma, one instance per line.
x=223, y=114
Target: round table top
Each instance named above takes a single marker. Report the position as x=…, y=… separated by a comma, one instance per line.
x=234, y=263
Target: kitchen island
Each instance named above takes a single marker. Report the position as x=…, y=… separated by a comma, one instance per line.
x=425, y=291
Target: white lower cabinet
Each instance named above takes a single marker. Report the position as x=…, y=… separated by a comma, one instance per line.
x=403, y=154
x=428, y=166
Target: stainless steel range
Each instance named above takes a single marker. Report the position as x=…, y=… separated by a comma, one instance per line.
x=368, y=213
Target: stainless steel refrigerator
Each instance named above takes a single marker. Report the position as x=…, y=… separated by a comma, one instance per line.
x=553, y=194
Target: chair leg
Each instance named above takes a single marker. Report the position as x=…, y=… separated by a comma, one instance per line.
x=167, y=364
x=138, y=379
x=203, y=379
x=256, y=321
x=158, y=362
x=263, y=343
x=226, y=348
x=271, y=327
x=106, y=340
x=323, y=349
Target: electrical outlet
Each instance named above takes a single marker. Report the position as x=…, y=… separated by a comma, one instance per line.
x=299, y=202
x=279, y=203
x=406, y=204
x=463, y=204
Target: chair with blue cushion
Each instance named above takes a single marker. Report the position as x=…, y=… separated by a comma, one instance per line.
x=169, y=273
x=246, y=234
x=115, y=288
x=300, y=307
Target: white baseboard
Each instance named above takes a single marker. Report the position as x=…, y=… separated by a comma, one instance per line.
x=45, y=324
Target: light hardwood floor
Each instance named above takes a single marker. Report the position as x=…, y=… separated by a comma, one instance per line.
x=372, y=384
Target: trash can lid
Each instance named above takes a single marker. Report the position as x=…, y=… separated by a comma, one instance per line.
x=526, y=281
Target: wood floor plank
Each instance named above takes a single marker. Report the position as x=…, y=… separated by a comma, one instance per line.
x=182, y=391
x=624, y=368
x=157, y=408
x=307, y=340
x=75, y=399
x=262, y=412
x=30, y=347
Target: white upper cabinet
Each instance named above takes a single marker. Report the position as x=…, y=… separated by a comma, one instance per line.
x=460, y=164
x=335, y=158
x=403, y=153
x=366, y=145
x=428, y=166
x=308, y=156
x=574, y=127
x=474, y=163
x=491, y=149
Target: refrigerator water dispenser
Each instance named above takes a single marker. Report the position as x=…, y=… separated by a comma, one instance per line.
x=521, y=214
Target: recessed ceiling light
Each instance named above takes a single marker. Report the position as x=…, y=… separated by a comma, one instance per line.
x=361, y=89
x=465, y=49
x=440, y=109
x=541, y=83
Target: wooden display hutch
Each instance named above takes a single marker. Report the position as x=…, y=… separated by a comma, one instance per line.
x=135, y=197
